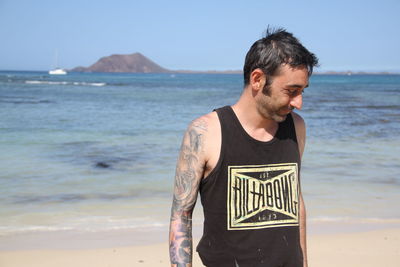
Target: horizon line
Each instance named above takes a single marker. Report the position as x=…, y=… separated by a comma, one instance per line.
x=232, y=71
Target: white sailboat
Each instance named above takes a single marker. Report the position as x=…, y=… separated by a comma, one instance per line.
x=57, y=70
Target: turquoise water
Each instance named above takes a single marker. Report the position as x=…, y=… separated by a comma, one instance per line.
x=97, y=152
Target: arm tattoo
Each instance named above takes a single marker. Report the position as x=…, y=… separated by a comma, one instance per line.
x=189, y=171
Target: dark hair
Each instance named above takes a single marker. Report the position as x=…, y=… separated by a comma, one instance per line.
x=276, y=48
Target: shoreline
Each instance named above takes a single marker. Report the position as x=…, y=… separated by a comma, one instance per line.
x=330, y=243
x=379, y=247
x=147, y=236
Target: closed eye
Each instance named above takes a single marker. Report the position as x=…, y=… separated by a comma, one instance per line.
x=295, y=89
x=294, y=92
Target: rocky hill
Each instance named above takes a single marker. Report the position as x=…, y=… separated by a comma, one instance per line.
x=134, y=63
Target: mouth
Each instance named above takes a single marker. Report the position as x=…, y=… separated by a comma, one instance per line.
x=286, y=112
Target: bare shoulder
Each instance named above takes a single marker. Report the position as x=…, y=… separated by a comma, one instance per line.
x=200, y=131
x=300, y=130
x=207, y=124
x=210, y=129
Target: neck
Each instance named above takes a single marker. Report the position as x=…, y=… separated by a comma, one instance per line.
x=252, y=121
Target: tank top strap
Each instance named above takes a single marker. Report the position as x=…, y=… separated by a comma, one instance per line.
x=226, y=118
x=228, y=127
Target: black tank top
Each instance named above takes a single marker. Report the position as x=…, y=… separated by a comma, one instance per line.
x=251, y=199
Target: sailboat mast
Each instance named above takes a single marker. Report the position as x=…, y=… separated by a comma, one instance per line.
x=56, y=54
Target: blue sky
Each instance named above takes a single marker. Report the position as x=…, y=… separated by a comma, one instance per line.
x=196, y=35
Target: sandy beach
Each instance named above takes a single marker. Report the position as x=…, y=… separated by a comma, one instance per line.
x=366, y=248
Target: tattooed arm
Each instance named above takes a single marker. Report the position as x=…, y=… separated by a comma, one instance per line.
x=189, y=172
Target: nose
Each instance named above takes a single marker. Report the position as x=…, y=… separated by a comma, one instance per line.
x=297, y=102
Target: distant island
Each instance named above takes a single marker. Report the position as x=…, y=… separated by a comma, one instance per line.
x=138, y=63
x=135, y=63
x=349, y=73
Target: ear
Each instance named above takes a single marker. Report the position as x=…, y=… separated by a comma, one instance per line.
x=257, y=79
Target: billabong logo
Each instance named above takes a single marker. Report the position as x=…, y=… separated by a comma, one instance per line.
x=262, y=196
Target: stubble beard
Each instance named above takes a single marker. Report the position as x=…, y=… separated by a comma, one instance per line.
x=267, y=110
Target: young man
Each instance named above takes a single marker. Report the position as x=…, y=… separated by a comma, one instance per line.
x=245, y=161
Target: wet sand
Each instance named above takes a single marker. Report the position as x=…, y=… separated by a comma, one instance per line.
x=365, y=249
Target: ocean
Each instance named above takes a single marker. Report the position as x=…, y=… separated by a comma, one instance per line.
x=95, y=152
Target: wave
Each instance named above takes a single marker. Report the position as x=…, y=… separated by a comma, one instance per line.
x=375, y=107
x=88, y=224
x=96, y=224
x=71, y=198
x=65, y=83
x=26, y=101
x=354, y=220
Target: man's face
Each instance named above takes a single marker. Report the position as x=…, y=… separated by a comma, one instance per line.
x=284, y=94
